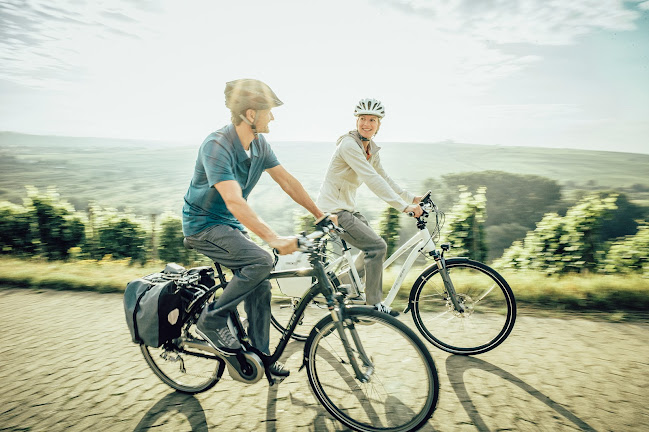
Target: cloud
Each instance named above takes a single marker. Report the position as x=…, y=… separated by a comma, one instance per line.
x=537, y=22
x=47, y=43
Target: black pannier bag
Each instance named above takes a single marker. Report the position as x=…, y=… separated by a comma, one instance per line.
x=153, y=307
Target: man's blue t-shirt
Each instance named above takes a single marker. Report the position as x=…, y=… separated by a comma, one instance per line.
x=222, y=157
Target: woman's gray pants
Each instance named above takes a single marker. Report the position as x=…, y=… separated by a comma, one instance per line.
x=250, y=265
x=359, y=234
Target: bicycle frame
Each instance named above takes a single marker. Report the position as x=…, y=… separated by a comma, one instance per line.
x=421, y=242
x=322, y=286
x=315, y=290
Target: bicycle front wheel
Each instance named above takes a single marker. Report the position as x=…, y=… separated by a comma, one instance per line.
x=397, y=387
x=488, y=301
x=186, y=371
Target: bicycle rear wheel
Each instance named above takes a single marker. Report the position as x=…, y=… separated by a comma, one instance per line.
x=400, y=387
x=186, y=371
x=490, y=307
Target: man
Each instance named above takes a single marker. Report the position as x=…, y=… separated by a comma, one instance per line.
x=216, y=215
x=354, y=162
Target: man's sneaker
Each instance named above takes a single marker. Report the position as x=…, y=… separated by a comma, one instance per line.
x=279, y=370
x=217, y=332
x=386, y=309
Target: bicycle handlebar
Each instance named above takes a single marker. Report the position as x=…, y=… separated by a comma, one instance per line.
x=306, y=243
x=324, y=225
x=426, y=204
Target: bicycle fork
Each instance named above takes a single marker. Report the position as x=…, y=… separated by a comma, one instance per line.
x=340, y=323
x=448, y=284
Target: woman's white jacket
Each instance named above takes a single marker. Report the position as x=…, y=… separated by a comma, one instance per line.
x=349, y=168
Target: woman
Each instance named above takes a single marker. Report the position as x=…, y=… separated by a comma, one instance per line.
x=356, y=161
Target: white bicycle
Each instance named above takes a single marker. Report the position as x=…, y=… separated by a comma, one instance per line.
x=459, y=305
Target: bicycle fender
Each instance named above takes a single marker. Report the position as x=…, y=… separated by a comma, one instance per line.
x=428, y=270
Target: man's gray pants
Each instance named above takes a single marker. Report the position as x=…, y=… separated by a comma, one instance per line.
x=251, y=266
x=359, y=234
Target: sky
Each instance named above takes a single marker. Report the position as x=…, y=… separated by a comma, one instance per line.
x=543, y=73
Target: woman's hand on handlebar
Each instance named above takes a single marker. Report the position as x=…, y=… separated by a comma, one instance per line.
x=284, y=245
x=414, y=210
x=328, y=222
x=326, y=218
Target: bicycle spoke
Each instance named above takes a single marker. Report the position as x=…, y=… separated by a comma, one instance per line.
x=185, y=371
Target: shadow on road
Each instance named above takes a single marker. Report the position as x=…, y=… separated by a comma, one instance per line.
x=322, y=420
x=183, y=404
x=319, y=422
x=456, y=366
x=190, y=407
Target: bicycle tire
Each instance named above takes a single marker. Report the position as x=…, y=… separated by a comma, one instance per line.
x=283, y=306
x=403, y=388
x=489, y=301
x=188, y=372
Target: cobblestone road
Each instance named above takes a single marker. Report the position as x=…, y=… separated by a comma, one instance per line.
x=67, y=363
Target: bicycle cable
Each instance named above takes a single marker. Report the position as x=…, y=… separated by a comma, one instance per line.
x=436, y=232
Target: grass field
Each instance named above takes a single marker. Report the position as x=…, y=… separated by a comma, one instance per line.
x=616, y=298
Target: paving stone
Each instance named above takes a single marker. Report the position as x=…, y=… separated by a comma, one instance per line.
x=72, y=366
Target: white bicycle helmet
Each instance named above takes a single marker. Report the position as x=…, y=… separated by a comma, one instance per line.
x=369, y=107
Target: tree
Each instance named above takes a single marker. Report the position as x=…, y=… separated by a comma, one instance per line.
x=15, y=229
x=630, y=254
x=502, y=236
x=171, y=248
x=563, y=244
x=122, y=236
x=542, y=249
x=583, y=225
x=465, y=225
x=514, y=202
x=57, y=226
x=389, y=228
x=624, y=220
x=510, y=198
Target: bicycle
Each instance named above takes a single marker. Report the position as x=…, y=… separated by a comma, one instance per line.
x=364, y=386
x=459, y=305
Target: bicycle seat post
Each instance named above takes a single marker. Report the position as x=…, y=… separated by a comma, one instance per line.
x=219, y=272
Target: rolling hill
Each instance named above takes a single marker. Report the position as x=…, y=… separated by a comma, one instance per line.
x=152, y=176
